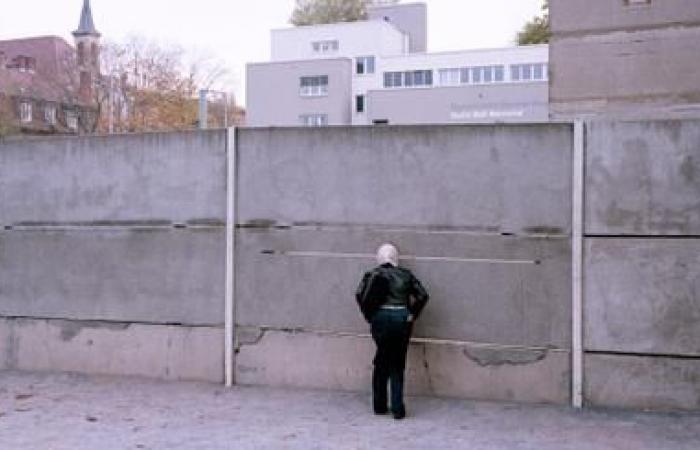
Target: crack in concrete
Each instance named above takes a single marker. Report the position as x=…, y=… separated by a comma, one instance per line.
x=426, y=365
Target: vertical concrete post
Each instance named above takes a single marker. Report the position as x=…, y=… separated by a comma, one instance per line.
x=230, y=254
x=577, y=265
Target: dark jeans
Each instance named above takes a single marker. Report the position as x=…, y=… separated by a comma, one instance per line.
x=391, y=332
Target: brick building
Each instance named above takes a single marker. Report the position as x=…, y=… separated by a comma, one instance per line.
x=48, y=86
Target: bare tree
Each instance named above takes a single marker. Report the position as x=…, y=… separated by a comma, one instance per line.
x=155, y=87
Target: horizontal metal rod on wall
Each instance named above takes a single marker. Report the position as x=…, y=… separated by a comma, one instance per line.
x=317, y=254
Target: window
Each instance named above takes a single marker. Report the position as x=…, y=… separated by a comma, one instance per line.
x=364, y=64
x=50, y=115
x=316, y=86
x=25, y=112
x=498, y=74
x=72, y=120
x=325, y=46
x=488, y=74
x=449, y=77
x=476, y=75
x=515, y=73
x=313, y=120
x=359, y=103
x=464, y=75
x=528, y=72
x=393, y=79
x=537, y=72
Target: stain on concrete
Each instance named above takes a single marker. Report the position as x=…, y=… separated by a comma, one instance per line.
x=249, y=335
x=615, y=216
x=543, y=229
x=486, y=357
x=688, y=169
x=72, y=328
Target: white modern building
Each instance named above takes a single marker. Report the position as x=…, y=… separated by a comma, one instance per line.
x=378, y=71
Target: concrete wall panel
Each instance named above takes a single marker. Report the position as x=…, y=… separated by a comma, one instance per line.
x=589, y=16
x=642, y=382
x=506, y=303
x=643, y=296
x=643, y=178
x=497, y=178
x=172, y=177
x=141, y=275
x=335, y=361
x=156, y=351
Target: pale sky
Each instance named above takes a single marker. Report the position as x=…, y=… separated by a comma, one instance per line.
x=238, y=31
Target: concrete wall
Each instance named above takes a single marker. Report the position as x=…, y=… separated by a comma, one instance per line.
x=274, y=92
x=112, y=257
x=613, y=59
x=110, y=254
x=642, y=269
x=503, y=193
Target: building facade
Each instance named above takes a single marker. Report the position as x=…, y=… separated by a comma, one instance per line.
x=46, y=85
x=625, y=58
x=378, y=71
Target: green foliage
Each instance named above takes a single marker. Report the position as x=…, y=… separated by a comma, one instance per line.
x=313, y=12
x=536, y=31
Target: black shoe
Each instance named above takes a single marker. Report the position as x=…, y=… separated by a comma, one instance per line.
x=398, y=415
x=380, y=411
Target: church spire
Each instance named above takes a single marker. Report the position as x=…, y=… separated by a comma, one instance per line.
x=86, y=26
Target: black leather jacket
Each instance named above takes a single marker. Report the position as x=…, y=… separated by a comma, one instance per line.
x=402, y=288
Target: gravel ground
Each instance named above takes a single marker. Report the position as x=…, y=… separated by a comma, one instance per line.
x=64, y=411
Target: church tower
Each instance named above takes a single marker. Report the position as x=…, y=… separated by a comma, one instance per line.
x=87, y=45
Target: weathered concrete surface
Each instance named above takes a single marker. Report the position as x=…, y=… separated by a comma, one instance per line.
x=601, y=16
x=130, y=275
x=171, y=177
x=450, y=369
x=643, y=178
x=643, y=296
x=498, y=178
x=86, y=413
x=648, y=52
x=156, y=351
x=519, y=304
x=652, y=383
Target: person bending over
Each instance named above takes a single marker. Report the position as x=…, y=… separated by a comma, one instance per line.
x=391, y=298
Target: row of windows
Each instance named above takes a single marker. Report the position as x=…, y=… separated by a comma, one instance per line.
x=26, y=115
x=409, y=78
x=329, y=46
x=313, y=120
x=466, y=75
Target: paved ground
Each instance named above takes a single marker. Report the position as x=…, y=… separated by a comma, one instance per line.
x=50, y=411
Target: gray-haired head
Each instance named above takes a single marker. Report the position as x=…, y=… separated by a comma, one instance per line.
x=388, y=253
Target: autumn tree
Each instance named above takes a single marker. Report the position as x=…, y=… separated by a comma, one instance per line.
x=152, y=87
x=537, y=30
x=8, y=124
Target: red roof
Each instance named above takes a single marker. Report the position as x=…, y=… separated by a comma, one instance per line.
x=54, y=76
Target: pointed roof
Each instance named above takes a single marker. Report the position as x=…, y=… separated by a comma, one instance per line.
x=86, y=26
